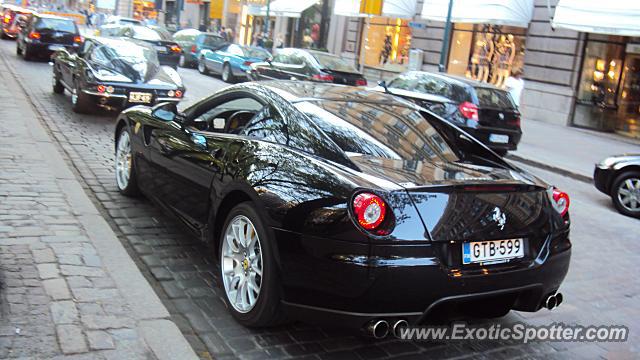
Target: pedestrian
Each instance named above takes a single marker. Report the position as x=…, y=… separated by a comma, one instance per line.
x=223, y=33
x=514, y=85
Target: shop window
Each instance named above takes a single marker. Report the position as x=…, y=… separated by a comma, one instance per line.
x=387, y=43
x=487, y=53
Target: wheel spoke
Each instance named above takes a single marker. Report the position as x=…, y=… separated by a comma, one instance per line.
x=629, y=184
x=624, y=192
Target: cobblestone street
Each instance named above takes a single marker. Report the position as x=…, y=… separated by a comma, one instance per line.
x=59, y=296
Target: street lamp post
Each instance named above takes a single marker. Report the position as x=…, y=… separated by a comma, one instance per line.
x=267, y=21
x=445, y=41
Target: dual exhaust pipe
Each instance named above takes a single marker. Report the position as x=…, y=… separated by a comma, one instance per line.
x=553, y=301
x=379, y=329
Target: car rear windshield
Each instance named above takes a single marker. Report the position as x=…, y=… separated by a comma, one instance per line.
x=331, y=62
x=254, y=52
x=391, y=132
x=428, y=84
x=55, y=24
x=144, y=33
x=494, y=98
x=212, y=40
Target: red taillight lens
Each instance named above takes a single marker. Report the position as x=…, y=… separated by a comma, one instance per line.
x=323, y=77
x=101, y=88
x=560, y=201
x=178, y=93
x=193, y=49
x=514, y=122
x=370, y=210
x=361, y=82
x=247, y=63
x=175, y=48
x=469, y=110
x=34, y=35
x=77, y=39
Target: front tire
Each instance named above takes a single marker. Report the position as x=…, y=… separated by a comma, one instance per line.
x=625, y=193
x=248, y=269
x=26, y=54
x=58, y=88
x=126, y=178
x=202, y=67
x=18, y=50
x=182, y=62
x=227, y=74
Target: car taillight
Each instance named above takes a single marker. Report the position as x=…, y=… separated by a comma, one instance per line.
x=7, y=18
x=323, y=77
x=514, y=122
x=77, y=39
x=175, y=48
x=247, y=63
x=559, y=200
x=361, y=82
x=193, y=48
x=469, y=110
x=34, y=35
x=101, y=88
x=178, y=94
x=370, y=210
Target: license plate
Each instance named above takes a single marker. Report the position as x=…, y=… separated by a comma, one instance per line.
x=55, y=47
x=139, y=97
x=498, y=138
x=160, y=49
x=492, y=251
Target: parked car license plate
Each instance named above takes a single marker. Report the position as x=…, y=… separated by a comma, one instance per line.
x=499, y=138
x=161, y=49
x=55, y=47
x=488, y=251
x=139, y=97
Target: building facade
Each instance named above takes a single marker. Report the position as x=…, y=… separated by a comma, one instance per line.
x=572, y=77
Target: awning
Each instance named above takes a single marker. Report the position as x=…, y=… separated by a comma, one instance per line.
x=405, y=9
x=286, y=8
x=611, y=17
x=496, y=12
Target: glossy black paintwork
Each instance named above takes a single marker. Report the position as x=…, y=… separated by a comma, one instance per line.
x=606, y=170
x=77, y=68
x=301, y=181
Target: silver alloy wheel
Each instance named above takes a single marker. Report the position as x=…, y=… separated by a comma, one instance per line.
x=123, y=160
x=225, y=73
x=241, y=264
x=181, y=62
x=629, y=194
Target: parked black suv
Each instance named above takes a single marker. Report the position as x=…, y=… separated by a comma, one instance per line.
x=483, y=110
x=42, y=35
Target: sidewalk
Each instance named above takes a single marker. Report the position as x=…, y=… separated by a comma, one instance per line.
x=68, y=285
x=569, y=150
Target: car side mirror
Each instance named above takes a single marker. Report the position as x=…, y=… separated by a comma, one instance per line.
x=166, y=112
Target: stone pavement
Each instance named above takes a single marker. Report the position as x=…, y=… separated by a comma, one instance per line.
x=67, y=282
x=569, y=150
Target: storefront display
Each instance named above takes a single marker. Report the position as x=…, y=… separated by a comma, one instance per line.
x=608, y=96
x=387, y=43
x=486, y=53
x=145, y=10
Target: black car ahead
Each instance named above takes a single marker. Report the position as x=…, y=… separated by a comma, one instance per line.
x=619, y=177
x=168, y=50
x=113, y=73
x=42, y=35
x=302, y=64
x=486, y=112
x=341, y=204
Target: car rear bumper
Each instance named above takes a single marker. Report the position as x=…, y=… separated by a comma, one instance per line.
x=121, y=100
x=483, y=133
x=602, y=178
x=42, y=49
x=336, y=282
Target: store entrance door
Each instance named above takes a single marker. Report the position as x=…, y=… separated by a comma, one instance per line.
x=628, y=122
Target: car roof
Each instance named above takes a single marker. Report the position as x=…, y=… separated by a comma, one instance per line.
x=295, y=91
x=459, y=80
x=51, y=16
x=189, y=31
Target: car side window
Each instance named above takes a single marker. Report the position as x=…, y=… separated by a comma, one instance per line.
x=229, y=117
x=281, y=58
x=235, y=50
x=297, y=59
x=268, y=125
x=86, y=49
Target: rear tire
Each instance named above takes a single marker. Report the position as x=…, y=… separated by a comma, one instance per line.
x=18, y=50
x=80, y=102
x=202, y=67
x=182, y=62
x=626, y=200
x=258, y=302
x=58, y=88
x=227, y=73
x=26, y=54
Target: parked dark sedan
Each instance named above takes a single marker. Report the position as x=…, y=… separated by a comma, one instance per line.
x=114, y=73
x=483, y=110
x=340, y=204
x=12, y=16
x=301, y=64
x=619, y=177
x=167, y=49
x=42, y=35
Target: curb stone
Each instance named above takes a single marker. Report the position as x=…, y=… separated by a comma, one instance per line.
x=555, y=169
